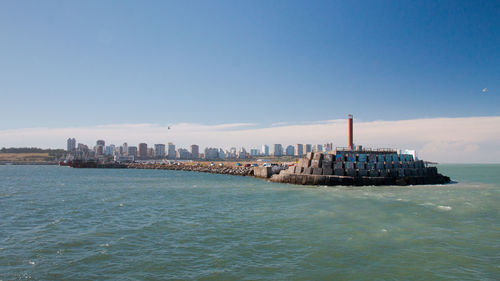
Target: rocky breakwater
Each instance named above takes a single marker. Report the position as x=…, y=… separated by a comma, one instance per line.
x=196, y=167
x=360, y=168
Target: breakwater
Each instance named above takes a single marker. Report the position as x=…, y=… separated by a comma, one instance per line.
x=195, y=167
x=360, y=168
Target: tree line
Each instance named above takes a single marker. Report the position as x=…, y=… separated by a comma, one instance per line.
x=51, y=152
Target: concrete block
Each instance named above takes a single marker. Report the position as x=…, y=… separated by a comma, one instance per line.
x=319, y=180
x=338, y=172
x=327, y=171
x=350, y=172
x=388, y=165
x=307, y=171
x=315, y=164
x=326, y=164
x=373, y=173
x=396, y=165
x=317, y=171
x=383, y=173
x=420, y=171
x=309, y=155
x=360, y=165
x=393, y=172
x=401, y=172
x=338, y=165
x=370, y=166
x=363, y=173
x=380, y=166
x=411, y=164
x=404, y=165
x=318, y=156
x=349, y=165
x=304, y=162
x=329, y=157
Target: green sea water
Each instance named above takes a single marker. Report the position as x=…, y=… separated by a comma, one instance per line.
x=58, y=223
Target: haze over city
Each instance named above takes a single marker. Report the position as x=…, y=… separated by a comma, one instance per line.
x=420, y=76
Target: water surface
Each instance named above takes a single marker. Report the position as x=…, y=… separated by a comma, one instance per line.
x=58, y=223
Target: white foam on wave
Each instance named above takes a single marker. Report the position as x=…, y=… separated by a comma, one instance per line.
x=32, y=262
x=104, y=245
x=121, y=205
x=444, y=208
x=428, y=204
x=384, y=230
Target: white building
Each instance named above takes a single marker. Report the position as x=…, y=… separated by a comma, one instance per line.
x=159, y=150
x=265, y=150
x=171, y=151
x=71, y=144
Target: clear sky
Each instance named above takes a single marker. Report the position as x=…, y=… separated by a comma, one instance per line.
x=416, y=74
x=86, y=63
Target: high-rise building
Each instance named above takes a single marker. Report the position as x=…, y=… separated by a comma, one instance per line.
x=254, y=152
x=278, y=150
x=151, y=152
x=159, y=150
x=222, y=155
x=71, y=144
x=125, y=149
x=143, y=150
x=265, y=150
x=171, y=151
x=195, y=151
x=183, y=154
x=290, y=150
x=308, y=148
x=317, y=148
x=99, y=147
x=132, y=151
x=211, y=153
x=242, y=154
x=109, y=149
x=299, y=149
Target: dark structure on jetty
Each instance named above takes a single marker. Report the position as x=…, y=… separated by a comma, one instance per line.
x=357, y=166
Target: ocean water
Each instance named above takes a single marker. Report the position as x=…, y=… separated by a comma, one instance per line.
x=58, y=223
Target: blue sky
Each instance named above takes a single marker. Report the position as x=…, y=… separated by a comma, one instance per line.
x=85, y=63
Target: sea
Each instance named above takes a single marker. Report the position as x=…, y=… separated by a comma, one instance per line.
x=59, y=223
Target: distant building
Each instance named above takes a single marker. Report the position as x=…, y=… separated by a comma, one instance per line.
x=222, y=155
x=132, y=151
x=317, y=148
x=242, y=154
x=171, y=154
x=110, y=149
x=71, y=144
x=125, y=149
x=278, y=150
x=265, y=150
x=195, y=151
x=99, y=147
x=308, y=148
x=159, y=150
x=299, y=149
x=151, y=152
x=143, y=151
x=211, y=153
x=254, y=152
x=183, y=154
x=328, y=147
x=290, y=150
